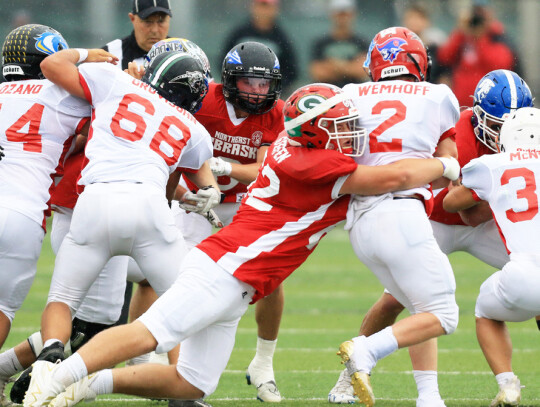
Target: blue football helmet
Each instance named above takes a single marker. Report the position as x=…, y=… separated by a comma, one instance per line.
x=497, y=95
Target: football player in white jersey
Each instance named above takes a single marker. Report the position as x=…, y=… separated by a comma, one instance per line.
x=405, y=117
x=497, y=95
x=508, y=182
x=38, y=121
x=141, y=132
x=308, y=165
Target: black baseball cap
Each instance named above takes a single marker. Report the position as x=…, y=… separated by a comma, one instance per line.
x=145, y=8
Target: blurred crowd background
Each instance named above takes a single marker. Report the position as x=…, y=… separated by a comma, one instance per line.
x=209, y=23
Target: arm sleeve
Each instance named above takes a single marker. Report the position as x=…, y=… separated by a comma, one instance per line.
x=477, y=177
x=198, y=150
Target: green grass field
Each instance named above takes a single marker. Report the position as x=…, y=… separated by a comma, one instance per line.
x=325, y=302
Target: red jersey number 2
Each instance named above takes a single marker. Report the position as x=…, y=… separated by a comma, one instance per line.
x=394, y=145
x=30, y=138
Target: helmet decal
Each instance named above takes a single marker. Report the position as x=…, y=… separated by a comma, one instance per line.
x=194, y=80
x=234, y=58
x=391, y=48
x=276, y=64
x=484, y=87
x=309, y=101
x=49, y=43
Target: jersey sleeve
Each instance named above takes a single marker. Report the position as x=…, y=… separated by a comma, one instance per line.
x=198, y=149
x=276, y=124
x=319, y=167
x=449, y=113
x=477, y=177
x=93, y=73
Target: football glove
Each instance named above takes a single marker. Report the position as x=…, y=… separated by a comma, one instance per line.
x=212, y=217
x=201, y=202
x=1, y=152
x=451, y=168
x=219, y=166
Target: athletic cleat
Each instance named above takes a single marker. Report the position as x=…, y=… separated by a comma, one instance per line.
x=342, y=392
x=188, y=403
x=4, y=401
x=43, y=389
x=51, y=354
x=430, y=402
x=265, y=383
x=360, y=380
x=509, y=394
x=77, y=392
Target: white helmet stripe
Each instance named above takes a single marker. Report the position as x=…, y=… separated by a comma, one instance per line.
x=315, y=111
x=169, y=61
x=513, y=89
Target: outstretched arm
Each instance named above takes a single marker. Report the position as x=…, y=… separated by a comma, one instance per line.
x=401, y=175
x=459, y=199
x=61, y=67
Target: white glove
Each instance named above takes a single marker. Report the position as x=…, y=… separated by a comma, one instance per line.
x=451, y=167
x=205, y=199
x=212, y=217
x=219, y=166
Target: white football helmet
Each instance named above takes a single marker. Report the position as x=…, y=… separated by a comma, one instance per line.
x=521, y=130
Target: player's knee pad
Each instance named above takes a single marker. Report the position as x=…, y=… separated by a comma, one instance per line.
x=83, y=331
x=448, y=318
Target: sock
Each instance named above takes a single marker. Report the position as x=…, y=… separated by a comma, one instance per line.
x=426, y=383
x=381, y=344
x=50, y=342
x=103, y=382
x=9, y=364
x=260, y=369
x=503, y=378
x=265, y=351
x=70, y=370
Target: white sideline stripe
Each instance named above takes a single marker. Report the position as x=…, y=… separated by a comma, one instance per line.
x=211, y=399
x=333, y=350
x=376, y=372
x=293, y=331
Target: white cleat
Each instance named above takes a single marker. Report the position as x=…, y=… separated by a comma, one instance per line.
x=430, y=402
x=342, y=392
x=509, y=394
x=360, y=380
x=42, y=387
x=263, y=380
x=77, y=392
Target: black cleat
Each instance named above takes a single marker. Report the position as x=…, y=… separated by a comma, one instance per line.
x=51, y=353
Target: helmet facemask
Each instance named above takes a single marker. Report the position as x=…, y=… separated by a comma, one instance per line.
x=345, y=134
x=488, y=128
x=251, y=63
x=320, y=116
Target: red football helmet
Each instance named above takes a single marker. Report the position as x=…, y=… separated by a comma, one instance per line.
x=321, y=116
x=397, y=51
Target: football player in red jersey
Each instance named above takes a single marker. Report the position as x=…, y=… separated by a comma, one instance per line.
x=300, y=193
x=497, y=95
x=243, y=116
